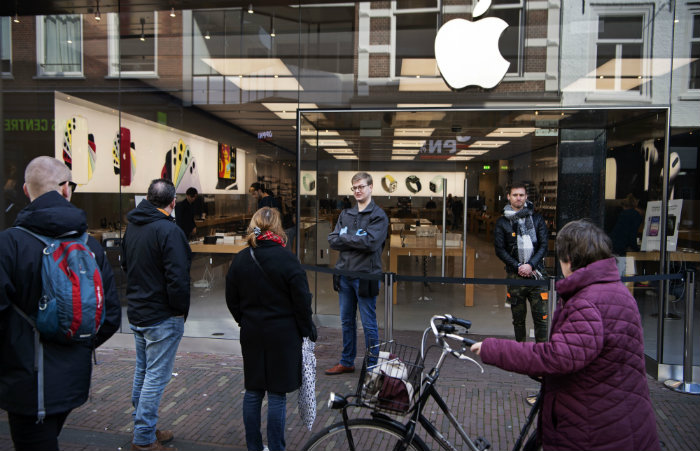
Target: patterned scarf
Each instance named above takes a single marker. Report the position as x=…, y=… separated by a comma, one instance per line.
x=268, y=236
x=521, y=222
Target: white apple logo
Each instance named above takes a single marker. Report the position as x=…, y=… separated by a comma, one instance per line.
x=467, y=52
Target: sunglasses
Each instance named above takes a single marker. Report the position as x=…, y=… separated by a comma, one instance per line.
x=71, y=185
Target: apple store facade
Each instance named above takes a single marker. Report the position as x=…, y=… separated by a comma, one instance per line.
x=595, y=106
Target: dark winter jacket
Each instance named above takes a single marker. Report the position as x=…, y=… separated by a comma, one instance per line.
x=156, y=258
x=67, y=368
x=506, y=243
x=595, y=387
x=184, y=216
x=362, y=253
x=274, y=314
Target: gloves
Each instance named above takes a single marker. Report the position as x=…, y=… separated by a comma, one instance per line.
x=313, y=336
x=343, y=231
x=361, y=232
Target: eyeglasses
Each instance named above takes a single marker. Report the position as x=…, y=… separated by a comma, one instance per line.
x=358, y=188
x=71, y=185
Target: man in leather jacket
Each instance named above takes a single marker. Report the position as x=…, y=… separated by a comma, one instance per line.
x=521, y=243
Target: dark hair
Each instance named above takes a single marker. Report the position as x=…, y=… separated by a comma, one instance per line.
x=161, y=193
x=515, y=185
x=265, y=219
x=191, y=191
x=257, y=186
x=582, y=243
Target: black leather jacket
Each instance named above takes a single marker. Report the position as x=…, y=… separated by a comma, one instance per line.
x=506, y=244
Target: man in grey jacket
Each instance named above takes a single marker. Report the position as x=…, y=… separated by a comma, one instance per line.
x=359, y=235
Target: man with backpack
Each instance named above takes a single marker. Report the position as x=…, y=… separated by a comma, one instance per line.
x=36, y=415
x=156, y=258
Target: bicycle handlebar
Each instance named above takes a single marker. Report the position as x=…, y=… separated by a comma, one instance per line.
x=445, y=326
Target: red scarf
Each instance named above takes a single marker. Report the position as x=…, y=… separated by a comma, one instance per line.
x=269, y=236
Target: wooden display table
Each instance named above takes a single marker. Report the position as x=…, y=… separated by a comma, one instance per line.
x=218, y=248
x=422, y=246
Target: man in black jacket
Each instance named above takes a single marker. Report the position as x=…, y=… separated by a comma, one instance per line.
x=67, y=367
x=156, y=257
x=521, y=243
x=359, y=235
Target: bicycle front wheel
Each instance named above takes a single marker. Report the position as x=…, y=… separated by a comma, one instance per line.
x=367, y=435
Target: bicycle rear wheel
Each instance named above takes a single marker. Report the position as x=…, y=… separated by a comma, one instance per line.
x=367, y=435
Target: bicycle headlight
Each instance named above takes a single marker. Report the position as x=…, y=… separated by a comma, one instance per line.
x=336, y=401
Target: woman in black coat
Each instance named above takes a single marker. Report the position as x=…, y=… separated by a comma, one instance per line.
x=271, y=302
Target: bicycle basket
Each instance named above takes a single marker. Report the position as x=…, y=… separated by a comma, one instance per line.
x=390, y=377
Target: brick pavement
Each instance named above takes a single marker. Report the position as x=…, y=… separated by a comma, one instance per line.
x=202, y=403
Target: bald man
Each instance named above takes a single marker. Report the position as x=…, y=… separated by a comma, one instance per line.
x=67, y=368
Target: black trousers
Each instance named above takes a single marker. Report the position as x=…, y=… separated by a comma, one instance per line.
x=27, y=435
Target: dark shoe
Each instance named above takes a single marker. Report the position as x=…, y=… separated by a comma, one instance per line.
x=340, y=369
x=164, y=436
x=155, y=446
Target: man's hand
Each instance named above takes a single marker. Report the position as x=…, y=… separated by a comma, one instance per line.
x=343, y=231
x=525, y=270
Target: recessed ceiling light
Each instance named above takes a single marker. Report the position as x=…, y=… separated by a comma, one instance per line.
x=402, y=157
x=510, y=132
x=459, y=158
x=327, y=142
x=472, y=152
x=409, y=143
x=345, y=157
x=400, y=132
x=333, y=151
x=488, y=144
x=405, y=151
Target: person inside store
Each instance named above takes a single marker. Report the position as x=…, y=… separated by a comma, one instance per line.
x=520, y=241
x=264, y=196
x=430, y=205
x=624, y=233
x=187, y=210
x=67, y=367
x=359, y=235
x=267, y=293
x=594, y=391
x=156, y=258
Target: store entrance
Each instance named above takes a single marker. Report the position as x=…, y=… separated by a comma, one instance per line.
x=448, y=170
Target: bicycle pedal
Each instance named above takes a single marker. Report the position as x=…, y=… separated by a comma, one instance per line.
x=482, y=444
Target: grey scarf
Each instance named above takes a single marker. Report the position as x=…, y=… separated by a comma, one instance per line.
x=525, y=229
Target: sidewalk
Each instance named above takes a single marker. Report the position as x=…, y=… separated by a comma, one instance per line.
x=202, y=404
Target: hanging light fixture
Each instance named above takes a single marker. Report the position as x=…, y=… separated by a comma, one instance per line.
x=97, y=12
x=206, y=35
x=16, y=18
x=250, y=8
x=272, y=25
x=143, y=35
x=172, y=12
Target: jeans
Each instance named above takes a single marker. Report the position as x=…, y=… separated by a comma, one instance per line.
x=350, y=300
x=28, y=435
x=156, y=347
x=276, y=413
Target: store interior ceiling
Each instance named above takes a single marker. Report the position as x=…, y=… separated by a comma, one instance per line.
x=407, y=129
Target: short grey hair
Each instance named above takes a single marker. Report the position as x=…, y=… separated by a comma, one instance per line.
x=43, y=174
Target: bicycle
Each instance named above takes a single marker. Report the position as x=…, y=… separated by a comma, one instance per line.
x=389, y=372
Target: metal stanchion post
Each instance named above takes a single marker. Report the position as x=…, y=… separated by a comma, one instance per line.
x=687, y=385
x=551, y=302
x=388, y=306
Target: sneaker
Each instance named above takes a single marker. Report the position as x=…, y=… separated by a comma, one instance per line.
x=340, y=369
x=164, y=436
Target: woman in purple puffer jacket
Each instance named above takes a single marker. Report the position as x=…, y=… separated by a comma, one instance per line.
x=594, y=382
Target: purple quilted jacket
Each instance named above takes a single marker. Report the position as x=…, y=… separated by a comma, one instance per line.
x=595, y=387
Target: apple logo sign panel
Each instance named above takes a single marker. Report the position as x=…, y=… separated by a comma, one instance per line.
x=467, y=52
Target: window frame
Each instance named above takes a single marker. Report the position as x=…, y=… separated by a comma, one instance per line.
x=113, y=50
x=7, y=74
x=646, y=12
x=41, y=71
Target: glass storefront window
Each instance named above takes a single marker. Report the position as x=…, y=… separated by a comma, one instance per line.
x=5, y=46
x=133, y=45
